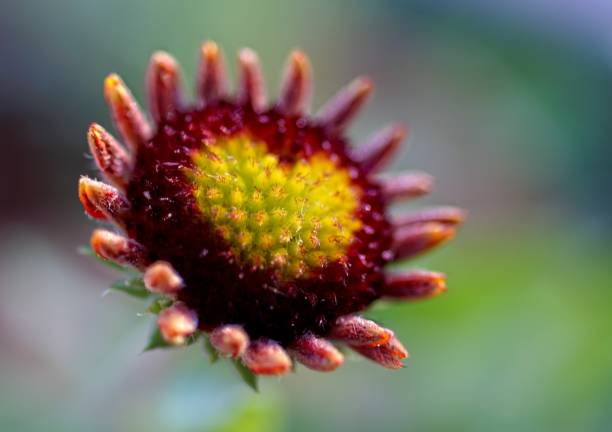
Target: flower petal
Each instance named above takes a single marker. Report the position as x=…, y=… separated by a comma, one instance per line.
x=212, y=79
x=110, y=156
x=316, y=353
x=266, y=357
x=296, y=85
x=345, y=105
x=419, y=238
x=160, y=277
x=177, y=323
x=127, y=115
x=389, y=355
x=118, y=249
x=357, y=330
x=252, y=85
x=414, y=285
x=452, y=216
x=377, y=151
x=103, y=201
x=230, y=340
x=163, y=85
x=406, y=185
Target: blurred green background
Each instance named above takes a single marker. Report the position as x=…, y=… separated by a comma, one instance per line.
x=510, y=106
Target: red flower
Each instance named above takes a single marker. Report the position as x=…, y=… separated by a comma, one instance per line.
x=261, y=224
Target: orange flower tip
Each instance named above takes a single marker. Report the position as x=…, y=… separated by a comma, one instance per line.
x=419, y=238
x=177, y=324
x=451, y=216
x=266, y=357
x=212, y=78
x=116, y=248
x=102, y=201
x=359, y=331
x=378, y=150
x=111, y=83
x=414, y=285
x=160, y=277
x=343, y=107
x=211, y=51
x=406, y=185
x=316, y=353
x=252, y=85
x=296, y=84
x=162, y=85
x=389, y=355
x=110, y=156
x=90, y=208
x=127, y=115
x=229, y=340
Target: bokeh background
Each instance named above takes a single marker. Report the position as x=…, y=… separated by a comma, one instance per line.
x=510, y=105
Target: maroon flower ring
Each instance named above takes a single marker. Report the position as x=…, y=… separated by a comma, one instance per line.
x=259, y=222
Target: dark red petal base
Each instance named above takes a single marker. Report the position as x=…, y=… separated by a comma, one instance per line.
x=166, y=221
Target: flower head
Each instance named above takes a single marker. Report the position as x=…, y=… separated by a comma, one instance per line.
x=258, y=222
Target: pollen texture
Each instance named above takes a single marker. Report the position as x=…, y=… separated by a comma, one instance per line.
x=291, y=217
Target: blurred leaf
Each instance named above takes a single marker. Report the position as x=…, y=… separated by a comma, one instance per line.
x=213, y=355
x=247, y=376
x=133, y=287
x=88, y=251
x=156, y=341
x=255, y=415
x=159, y=304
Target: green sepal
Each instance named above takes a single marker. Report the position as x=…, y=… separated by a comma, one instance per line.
x=156, y=340
x=212, y=353
x=247, y=376
x=158, y=304
x=133, y=287
x=88, y=251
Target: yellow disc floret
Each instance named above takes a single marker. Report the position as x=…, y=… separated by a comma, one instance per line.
x=290, y=217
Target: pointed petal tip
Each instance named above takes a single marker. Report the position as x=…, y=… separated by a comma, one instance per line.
x=345, y=105
x=161, y=278
x=388, y=355
x=414, y=285
x=265, y=357
x=378, y=150
x=300, y=60
x=177, y=323
x=210, y=49
x=364, y=85
x=420, y=238
x=248, y=55
x=229, y=340
x=112, y=84
x=452, y=216
x=405, y=185
x=162, y=58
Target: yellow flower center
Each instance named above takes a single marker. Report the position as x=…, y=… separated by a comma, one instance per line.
x=291, y=217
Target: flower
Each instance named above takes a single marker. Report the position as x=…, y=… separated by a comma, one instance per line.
x=259, y=223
